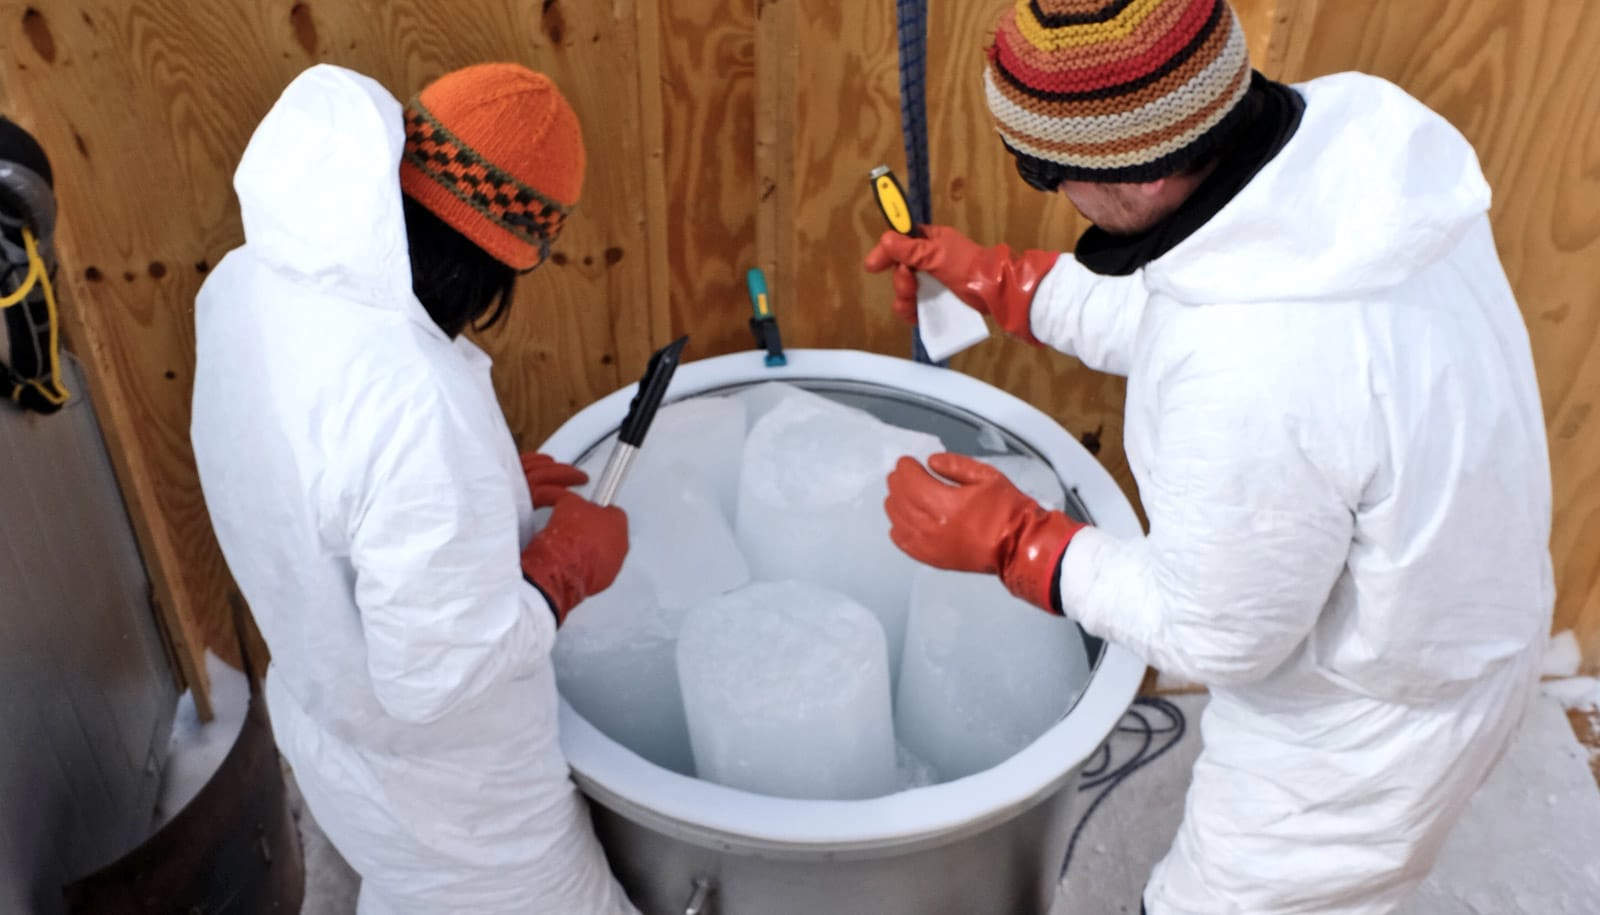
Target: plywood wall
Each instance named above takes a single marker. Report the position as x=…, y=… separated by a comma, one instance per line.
x=724, y=134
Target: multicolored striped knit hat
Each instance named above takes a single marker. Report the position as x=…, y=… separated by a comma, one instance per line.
x=1115, y=90
x=495, y=151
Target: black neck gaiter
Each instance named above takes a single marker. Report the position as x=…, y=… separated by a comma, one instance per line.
x=1275, y=115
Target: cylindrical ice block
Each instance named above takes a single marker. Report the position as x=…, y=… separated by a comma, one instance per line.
x=811, y=504
x=616, y=663
x=786, y=689
x=984, y=673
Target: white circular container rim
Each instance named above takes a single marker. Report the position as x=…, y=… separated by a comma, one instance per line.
x=909, y=814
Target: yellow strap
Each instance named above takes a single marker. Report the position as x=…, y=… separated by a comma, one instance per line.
x=35, y=270
x=55, y=392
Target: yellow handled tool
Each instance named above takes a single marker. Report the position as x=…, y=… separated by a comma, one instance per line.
x=892, y=201
x=945, y=325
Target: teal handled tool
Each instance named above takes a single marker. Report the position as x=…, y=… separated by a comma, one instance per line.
x=764, y=324
x=641, y=412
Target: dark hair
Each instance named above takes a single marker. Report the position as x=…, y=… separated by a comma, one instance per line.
x=454, y=279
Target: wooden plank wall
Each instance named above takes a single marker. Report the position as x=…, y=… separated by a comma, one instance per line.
x=725, y=134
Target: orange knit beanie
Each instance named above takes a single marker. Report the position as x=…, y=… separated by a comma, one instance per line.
x=495, y=151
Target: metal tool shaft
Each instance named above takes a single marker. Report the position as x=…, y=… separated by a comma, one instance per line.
x=605, y=491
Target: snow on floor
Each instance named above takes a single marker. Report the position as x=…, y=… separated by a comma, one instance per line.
x=1577, y=693
x=1525, y=846
x=1581, y=697
x=1562, y=656
x=198, y=748
x=1527, y=841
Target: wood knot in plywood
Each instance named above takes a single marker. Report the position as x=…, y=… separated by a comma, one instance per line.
x=37, y=28
x=305, y=27
x=555, y=21
x=1576, y=420
x=1091, y=440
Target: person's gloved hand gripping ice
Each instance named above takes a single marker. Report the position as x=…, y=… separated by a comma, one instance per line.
x=1332, y=417
x=978, y=521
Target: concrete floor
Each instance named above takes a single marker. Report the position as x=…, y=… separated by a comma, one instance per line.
x=331, y=885
x=1525, y=846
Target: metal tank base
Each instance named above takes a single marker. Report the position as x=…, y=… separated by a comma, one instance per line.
x=1008, y=867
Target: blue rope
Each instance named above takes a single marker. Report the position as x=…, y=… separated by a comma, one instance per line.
x=913, y=29
x=911, y=23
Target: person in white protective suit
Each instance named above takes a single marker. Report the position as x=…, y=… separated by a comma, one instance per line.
x=370, y=500
x=1332, y=417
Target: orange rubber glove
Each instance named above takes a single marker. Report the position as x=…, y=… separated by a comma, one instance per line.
x=991, y=281
x=579, y=553
x=982, y=523
x=548, y=478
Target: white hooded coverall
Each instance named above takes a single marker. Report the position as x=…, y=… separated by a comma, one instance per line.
x=1333, y=419
x=370, y=503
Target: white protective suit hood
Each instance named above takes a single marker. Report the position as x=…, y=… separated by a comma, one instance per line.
x=1409, y=187
x=319, y=190
x=1335, y=426
x=370, y=503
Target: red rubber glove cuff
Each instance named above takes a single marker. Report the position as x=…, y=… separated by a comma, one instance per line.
x=1006, y=284
x=1032, y=554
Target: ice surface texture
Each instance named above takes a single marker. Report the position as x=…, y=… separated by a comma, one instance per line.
x=984, y=674
x=786, y=687
x=811, y=504
x=616, y=663
x=1031, y=475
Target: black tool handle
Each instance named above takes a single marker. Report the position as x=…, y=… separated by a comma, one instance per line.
x=652, y=388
